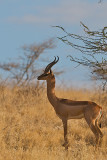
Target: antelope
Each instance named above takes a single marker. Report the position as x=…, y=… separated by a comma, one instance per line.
x=69, y=109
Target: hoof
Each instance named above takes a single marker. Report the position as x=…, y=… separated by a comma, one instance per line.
x=66, y=145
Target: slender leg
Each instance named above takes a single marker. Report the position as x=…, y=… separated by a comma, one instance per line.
x=98, y=129
x=96, y=133
x=93, y=128
x=65, y=133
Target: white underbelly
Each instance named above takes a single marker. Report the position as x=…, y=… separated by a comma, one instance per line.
x=76, y=117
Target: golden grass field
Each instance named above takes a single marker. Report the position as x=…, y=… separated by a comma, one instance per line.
x=30, y=129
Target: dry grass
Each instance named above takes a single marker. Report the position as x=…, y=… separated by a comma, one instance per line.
x=30, y=130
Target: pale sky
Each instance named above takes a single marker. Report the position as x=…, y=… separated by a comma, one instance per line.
x=29, y=21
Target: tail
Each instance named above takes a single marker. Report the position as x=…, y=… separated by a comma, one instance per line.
x=100, y=125
x=101, y=114
x=99, y=117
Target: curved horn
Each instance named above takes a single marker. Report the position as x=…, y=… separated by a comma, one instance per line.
x=48, y=67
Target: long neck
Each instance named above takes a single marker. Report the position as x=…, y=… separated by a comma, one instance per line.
x=51, y=91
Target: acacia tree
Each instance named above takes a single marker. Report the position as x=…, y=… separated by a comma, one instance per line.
x=93, y=46
x=24, y=70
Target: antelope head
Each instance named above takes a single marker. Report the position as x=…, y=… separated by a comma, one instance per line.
x=48, y=72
